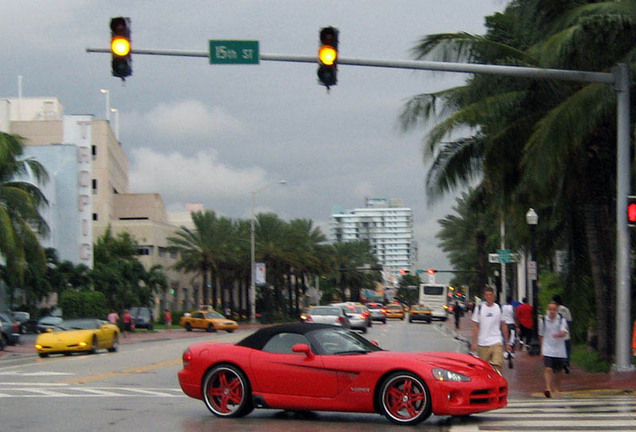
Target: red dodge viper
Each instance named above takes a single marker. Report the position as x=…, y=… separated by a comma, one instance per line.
x=320, y=367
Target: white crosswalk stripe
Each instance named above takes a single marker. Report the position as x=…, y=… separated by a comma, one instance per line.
x=563, y=414
x=62, y=391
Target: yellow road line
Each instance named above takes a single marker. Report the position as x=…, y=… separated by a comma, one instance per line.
x=141, y=369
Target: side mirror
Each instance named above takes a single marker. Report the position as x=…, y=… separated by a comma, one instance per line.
x=303, y=348
x=49, y=330
x=375, y=342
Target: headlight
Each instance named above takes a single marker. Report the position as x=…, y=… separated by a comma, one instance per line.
x=447, y=375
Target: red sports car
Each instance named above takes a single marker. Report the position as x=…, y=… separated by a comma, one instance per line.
x=320, y=367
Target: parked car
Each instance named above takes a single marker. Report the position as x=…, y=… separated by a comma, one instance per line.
x=377, y=311
x=328, y=315
x=304, y=367
x=78, y=335
x=143, y=317
x=210, y=321
x=10, y=329
x=47, y=322
x=26, y=324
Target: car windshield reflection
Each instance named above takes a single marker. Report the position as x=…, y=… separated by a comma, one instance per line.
x=341, y=342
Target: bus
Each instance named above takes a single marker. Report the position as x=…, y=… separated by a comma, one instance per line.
x=435, y=296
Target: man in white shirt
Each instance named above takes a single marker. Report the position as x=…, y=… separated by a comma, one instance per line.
x=565, y=313
x=553, y=329
x=489, y=325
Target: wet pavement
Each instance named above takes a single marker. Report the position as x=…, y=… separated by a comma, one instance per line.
x=525, y=379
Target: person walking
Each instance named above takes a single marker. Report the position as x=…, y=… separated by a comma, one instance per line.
x=567, y=315
x=525, y=321
x=128, y=323
x=490, y=332
x=553, y=329
x=458, y=312
x=509, y=318
x=167, y=317
x=113, y=317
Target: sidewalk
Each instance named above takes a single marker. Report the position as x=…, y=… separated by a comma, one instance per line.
x=526, y=377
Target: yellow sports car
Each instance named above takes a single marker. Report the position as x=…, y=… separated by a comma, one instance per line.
x=78, y=335
x=208, y=320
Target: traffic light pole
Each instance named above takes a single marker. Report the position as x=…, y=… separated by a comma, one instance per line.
x=619, y=79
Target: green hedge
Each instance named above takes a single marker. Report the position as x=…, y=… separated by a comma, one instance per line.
x=83, y=304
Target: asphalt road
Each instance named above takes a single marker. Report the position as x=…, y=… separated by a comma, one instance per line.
x=136, y=389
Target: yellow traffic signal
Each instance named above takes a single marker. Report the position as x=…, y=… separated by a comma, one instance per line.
x=120, y=46
x=328, y=57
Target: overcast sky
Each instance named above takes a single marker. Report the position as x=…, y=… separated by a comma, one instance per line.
x=196, y=132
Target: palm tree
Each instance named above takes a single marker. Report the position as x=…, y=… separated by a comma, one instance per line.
x=20, y=220
x=546, y=143
x=196, y=248
x=354, y=267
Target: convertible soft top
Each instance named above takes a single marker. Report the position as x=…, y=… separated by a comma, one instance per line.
x=258, y=339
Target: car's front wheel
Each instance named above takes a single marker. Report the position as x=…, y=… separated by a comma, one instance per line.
x=94, y=346
x=227, y=392
x=188, y=327
x=115, y=344
x=404, y=399
x=211, y=328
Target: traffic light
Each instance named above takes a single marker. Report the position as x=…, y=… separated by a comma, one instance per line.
x=631, y=210
x=404, y=271
x=328, y=57
x=430, y=271
x=120, y=47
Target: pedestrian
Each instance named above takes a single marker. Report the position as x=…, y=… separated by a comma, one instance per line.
x=567, y=315
x=526, y=322
x=167, y=317
x=113, y=317
x=128, y=323
x=553, y=329
x=490, y=332
x=457, y=311
x=508, y=312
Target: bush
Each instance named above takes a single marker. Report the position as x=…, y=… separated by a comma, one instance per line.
x=588, y=360
x=83, y=304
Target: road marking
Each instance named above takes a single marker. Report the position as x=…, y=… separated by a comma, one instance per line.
x=83, y=380
x=41, y=391
x=34, y=374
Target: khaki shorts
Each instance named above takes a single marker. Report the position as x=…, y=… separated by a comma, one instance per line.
x=492, y=354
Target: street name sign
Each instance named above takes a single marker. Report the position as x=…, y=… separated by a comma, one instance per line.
x=234, y=52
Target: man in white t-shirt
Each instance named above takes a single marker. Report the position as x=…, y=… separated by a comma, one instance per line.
x=490, y=330
x=553, y=329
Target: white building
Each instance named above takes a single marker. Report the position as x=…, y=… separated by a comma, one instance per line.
x=386, y=224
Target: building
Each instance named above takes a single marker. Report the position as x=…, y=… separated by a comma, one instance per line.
x=89, y=191
x=386, y=224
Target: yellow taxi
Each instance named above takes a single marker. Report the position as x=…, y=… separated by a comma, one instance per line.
x=420, y=313
x=210, y=321
x=394, y=310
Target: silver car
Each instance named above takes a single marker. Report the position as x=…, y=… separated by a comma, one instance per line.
x=357, y=315
x=328, y=315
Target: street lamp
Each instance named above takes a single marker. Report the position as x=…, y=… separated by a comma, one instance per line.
x=252, y=296
x=116, y=112
x=532, y=219
x=107, y=93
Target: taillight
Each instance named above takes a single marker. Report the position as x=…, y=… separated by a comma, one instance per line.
x=186, y=357
x=340, y=320
x=309, y=319
x=383, y=311
x=16, y=327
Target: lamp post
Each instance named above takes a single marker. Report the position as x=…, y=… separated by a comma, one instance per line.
x=252, y=296
x=107, y=93
x=116, y=112
x=532, y=219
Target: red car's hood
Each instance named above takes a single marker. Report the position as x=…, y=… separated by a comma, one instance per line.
x=462, y=363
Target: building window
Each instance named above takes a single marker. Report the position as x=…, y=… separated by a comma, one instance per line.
x=144, y=250
x=94, y=152
x=95, y=217
x=94, y=186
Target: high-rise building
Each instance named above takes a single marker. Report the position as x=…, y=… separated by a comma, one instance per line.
x=386, y=224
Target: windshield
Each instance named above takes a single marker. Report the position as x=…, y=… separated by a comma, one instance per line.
x=324, y=311
x=78, y=325
x=341, y=341
x=213, y=315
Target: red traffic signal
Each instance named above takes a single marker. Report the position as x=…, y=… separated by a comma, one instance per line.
x=631, y=210
x=430, y=271
x=404, y=271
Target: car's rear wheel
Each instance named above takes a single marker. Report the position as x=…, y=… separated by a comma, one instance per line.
x=188, y=327
x=227, y=392
x=115, y=344
x=404, y=399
